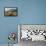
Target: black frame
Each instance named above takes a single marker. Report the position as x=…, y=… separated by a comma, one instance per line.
x=12, y=15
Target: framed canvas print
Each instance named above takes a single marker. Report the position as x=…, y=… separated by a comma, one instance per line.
x=32, y=32
x=10, y=11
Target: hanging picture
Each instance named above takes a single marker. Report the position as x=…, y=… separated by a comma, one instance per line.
x=10, y=11
x=32, y=32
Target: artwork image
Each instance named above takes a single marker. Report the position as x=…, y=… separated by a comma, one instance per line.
x=10, y=11
x=33, y=32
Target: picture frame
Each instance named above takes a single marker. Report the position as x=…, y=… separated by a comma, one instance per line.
x=10, y=11
x=34, y=30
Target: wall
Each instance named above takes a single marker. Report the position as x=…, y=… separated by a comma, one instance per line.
x=33, y=12
x=29, y=12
